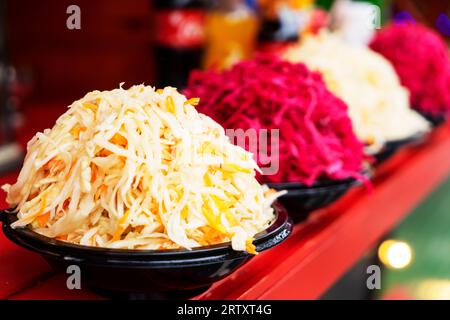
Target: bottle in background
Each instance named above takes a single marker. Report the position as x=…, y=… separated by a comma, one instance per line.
x=231, y=31
x=357, y=21
x=282, y=21
x=180, y=39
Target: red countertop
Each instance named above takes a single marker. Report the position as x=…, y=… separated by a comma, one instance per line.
x=318, y=252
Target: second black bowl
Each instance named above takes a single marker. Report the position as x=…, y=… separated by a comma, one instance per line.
x=146, y=274
x=435, y=120
x=391, y=147
x=301, y=200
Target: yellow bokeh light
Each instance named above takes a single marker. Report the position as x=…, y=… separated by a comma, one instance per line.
x=433, y=289
x=395, y=254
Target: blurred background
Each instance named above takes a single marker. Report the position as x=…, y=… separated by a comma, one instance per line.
x=44, y=66
x=122, y=41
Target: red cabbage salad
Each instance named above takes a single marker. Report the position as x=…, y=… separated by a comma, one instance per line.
x=316, y=138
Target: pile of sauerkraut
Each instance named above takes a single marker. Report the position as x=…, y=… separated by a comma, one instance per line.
x=140, y=169
x=317, y=141
x=422, y=60
x=367, y=82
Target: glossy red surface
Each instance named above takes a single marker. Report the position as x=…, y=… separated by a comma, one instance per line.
x=309, y=262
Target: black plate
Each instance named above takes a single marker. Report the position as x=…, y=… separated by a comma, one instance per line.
x=391, y=147
x=152, y=274
x=301, y=200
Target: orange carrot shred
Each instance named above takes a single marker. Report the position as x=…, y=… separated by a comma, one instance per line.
x=120, y=228
x=104, y=153
x=43, y=219
x=193, y=101
x=62, y=237
x=250, y=247
x=93, y=172
x=120, y=140
x=170, y=104
x=76, y=130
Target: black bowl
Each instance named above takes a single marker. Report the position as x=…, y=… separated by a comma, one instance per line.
x=146, y=274
x=435, y=120
x=391, y=147
x=301, y=200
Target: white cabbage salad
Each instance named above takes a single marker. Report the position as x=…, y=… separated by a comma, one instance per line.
x=140, y=169
x=367, y=82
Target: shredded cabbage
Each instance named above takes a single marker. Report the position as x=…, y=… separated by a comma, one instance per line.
x=317, y=141
x=367, y=82
x=421, y=58
x=140, y=169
